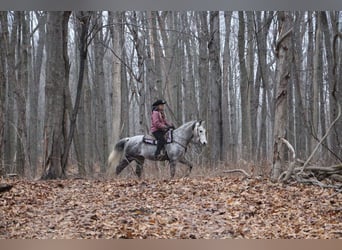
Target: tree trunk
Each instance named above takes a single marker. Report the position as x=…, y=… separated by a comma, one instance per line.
x=203, y=70
x=309, y=80
x=55, y=94
x=116, y=34
x=335, y=86
x=10, y=42
x=100, y=94
x=301, y=127
x=261, y=39
x=22, y=158
x=73, y=135
x=33, y=94
x=157, y=86
x=329, y=59
x=253, y=89
x=244, y=91
x=283, y=49
x=227, y=141
x=141, y=84
x=215, y=122
x=190, y=107
x=3, y=83
x=316, y=78
x=125, y=93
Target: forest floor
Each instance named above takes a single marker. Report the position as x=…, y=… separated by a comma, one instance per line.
x=195, y=208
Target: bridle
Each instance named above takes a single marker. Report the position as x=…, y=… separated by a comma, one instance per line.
x=184, y=139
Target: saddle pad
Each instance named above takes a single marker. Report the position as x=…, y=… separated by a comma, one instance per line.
x=150, y=139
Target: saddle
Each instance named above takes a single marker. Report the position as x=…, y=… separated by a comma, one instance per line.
x=150, y=139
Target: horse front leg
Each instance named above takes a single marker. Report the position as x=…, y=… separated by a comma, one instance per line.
x=188, y=163
x=173, y=168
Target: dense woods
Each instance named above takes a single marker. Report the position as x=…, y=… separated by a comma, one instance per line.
x=268, y=83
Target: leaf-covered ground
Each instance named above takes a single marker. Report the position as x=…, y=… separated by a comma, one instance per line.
x=220, y=207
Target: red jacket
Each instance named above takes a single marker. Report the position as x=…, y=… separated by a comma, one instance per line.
x=158, y=122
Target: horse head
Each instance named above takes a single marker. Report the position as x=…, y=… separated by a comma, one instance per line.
x=199, y=132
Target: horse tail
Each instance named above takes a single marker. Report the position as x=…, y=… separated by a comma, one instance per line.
x=115, y=155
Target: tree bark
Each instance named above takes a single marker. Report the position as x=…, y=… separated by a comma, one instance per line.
x=228, y=142
x=215, y=121
x=116, y=34
x=22, y=157
x=316, y=79
x=190, y=107
x=335, y=86
x=283, y=49
x=84, y=19
x=10, y=41
x=309, y=80
x=100, y=93
x=55, y=94
x=253, y=91
x=203, y=70
x=244, y=91
x=262, y=29
x=33, y=94
x=3, y=84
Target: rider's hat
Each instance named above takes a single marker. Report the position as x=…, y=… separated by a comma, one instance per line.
x=158, y=102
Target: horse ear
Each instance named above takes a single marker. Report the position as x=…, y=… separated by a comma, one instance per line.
x=194, y=125
x=201, y=122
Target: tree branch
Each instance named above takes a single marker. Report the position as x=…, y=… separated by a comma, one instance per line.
x=323, y=138
x=292, y=163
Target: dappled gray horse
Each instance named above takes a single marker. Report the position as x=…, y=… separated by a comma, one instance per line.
x=136, y=149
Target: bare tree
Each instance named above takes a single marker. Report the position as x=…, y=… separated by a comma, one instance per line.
x=23, y=52
x=10, y=41
x=244, y=91
x=215, y=124
x=33, y=93
x=227, y=126
x=117, y=83
x=56, y=41
x=3, y=84
x=84, y=19
x=203, y=67
x=283, y=48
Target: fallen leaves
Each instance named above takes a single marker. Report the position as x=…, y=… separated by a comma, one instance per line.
x=220, y=207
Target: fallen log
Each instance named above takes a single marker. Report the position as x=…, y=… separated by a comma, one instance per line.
x=238, y=171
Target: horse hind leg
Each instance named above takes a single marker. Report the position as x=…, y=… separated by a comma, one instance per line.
x=139, y=167
x=123, y=163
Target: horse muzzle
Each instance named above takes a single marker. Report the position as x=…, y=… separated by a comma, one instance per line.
x=204, y=143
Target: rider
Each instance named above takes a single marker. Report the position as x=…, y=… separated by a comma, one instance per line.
x=159, y=125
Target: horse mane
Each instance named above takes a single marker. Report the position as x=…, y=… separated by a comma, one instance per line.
x=188, y=124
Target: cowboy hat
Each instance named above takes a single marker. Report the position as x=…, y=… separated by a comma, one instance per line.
x=158, y=102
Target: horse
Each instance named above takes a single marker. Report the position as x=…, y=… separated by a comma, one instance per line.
x=136, y=148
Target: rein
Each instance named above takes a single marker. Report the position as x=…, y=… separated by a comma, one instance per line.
x=185, y=147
